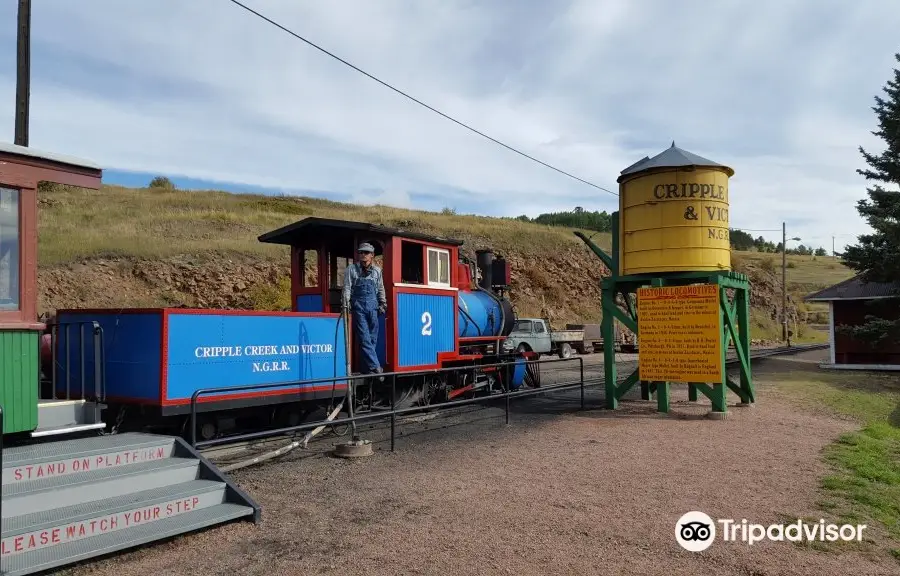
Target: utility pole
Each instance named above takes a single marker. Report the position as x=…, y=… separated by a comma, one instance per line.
x=784, y=321
x=23, y=72
x=833, y=253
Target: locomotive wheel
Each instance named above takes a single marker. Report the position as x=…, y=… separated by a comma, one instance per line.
x=533, y=375
x=208, y=429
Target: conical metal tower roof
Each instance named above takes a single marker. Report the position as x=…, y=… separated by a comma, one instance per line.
x=672, y=157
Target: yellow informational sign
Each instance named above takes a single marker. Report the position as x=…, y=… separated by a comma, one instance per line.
x=680, y=329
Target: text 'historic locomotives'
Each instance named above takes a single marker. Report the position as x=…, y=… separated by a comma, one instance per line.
x=680, y=334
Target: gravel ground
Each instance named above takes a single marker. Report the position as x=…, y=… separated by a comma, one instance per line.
x=556, y=492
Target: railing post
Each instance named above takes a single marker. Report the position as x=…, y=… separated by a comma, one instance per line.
x=581, y=365
x=393, y=408
x=98, y=363
x=506, y=389
x=81, y=358
x=54, y=374
x=194, y=420
x=68, y=365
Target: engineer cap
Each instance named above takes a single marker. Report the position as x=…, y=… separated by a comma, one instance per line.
x=366, y=247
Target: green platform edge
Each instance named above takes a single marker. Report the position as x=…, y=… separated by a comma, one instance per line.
x=19, y=377
x=734, y=318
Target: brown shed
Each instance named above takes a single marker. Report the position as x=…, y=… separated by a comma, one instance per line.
x=849, y=302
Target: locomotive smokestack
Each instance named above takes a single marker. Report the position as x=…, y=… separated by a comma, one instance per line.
x=485, y=261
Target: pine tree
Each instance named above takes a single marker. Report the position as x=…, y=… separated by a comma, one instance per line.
x=876, y=257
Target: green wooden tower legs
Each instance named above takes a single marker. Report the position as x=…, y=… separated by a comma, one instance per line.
x=734, y=316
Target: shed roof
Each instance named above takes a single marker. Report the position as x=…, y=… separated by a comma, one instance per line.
x=672, y=157
x=7, y=148
x=309, y=228
x=856, y=289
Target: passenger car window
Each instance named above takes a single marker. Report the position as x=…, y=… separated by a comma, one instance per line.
x=9, y=249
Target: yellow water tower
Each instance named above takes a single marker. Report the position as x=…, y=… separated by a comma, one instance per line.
x=673, y=214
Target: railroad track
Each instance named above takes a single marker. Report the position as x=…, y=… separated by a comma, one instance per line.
x=593, y=377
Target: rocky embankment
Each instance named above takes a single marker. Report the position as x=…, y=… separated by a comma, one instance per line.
x=564, y=287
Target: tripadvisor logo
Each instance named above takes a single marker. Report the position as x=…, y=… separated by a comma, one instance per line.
x=696, y=531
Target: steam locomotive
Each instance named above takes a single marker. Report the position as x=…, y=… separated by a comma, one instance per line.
x=442, y=338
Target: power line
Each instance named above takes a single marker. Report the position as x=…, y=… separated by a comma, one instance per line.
x=756, y=229
x=417, y=101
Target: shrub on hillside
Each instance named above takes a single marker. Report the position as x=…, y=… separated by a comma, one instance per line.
x=271, y=296
x=161, y=182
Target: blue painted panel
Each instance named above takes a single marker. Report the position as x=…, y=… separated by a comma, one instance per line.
x=218, y=350
x=310, y=303
x=425, y=327
x=132, y=347
x=479, y=315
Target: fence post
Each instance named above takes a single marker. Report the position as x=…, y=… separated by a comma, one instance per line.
x=98, y=363
x=581, y=365
x=393, y=408
x=194, y=420
x=81, y=359
x=507, y=389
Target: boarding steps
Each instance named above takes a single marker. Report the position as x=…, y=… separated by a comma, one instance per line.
x=56, y=417
x=71, y=500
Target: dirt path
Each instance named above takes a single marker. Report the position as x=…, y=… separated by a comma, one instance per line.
x=587, y=493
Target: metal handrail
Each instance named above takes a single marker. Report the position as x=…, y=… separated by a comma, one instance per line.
x=393, y=412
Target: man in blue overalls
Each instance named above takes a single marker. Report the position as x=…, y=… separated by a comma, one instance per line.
x=364, y=296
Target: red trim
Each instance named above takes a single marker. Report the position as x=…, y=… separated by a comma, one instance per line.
x=164, y=360
x=195, y=311
x=454, y=393
x=394, y=332
x=425, y=290
x=110, y=311
x=21, y=314
x=127, y=400
x=481, y=338
x=417, y=367
x=237, y=396
x=15, y=325
x=465, y=357
x=441, y=356
x=447, y=356
x=454, y=278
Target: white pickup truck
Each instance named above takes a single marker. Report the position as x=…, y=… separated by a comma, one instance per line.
x=534, y=335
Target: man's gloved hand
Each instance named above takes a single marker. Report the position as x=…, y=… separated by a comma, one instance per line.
x=382, y=309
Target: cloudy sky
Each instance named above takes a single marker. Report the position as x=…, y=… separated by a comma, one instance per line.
x=210, y=95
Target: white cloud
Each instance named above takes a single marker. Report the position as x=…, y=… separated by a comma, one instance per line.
x=779, y=90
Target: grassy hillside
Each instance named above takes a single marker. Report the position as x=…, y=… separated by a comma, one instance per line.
x=139, y=247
